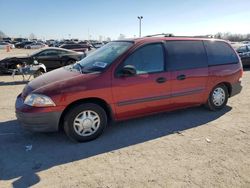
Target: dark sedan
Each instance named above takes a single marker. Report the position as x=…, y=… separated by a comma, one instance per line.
x=22, y=44
x=52, y=58
x=244, y=53
x=77, y=47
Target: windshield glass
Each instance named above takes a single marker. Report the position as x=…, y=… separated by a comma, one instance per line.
x=100, y=59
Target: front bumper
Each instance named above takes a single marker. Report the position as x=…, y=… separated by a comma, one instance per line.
x=236, y=88
x=40, y=121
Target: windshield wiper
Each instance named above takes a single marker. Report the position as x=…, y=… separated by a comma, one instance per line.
x=81, y=67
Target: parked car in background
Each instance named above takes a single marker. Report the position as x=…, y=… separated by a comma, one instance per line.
x=20, y=40
x=4, y=45
x=76, y=47
x=244, y=53
x=97, y=44
x=245, y=42
x=22, y=44
x=52, y=58
x=130, y=78
x=35, y=45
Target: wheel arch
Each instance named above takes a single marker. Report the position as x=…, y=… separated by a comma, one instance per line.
x=228, y=86
x=94, y=100
x=66, y=59
x=42, y=69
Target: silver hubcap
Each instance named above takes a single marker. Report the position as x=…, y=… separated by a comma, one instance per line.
x=219, y=96
x=86, y=123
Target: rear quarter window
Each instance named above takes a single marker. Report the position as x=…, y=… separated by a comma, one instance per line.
x=220, y=53
x=183, y=55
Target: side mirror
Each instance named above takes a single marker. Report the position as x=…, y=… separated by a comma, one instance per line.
x=128, y=70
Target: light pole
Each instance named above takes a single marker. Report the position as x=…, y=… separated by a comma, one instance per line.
x=140, y=18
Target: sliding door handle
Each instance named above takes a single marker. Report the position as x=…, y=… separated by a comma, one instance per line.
x=181, y=77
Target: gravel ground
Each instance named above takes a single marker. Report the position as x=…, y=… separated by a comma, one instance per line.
x=187, y=148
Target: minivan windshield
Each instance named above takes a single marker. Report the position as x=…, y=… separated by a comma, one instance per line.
x=100, y=59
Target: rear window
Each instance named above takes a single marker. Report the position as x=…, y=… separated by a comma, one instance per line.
x=220, y=53
x=185, y=55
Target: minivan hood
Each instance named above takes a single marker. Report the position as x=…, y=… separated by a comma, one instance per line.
x=55, y=79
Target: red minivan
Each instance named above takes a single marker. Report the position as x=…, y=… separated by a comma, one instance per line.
x=130, y=78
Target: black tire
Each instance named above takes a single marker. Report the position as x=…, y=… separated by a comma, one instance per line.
x=74, y=112
x=211, y=104
x=38, y=73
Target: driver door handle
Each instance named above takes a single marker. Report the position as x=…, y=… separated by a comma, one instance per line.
x=161, y=80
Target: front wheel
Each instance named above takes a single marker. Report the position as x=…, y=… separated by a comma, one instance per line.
x=218, y=98
x=71, y=61
x=85, y=122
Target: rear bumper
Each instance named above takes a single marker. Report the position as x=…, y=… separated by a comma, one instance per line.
x=236, y=88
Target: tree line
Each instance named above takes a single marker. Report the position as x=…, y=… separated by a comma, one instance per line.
x=233, y=37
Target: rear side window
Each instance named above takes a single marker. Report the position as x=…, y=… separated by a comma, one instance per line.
x=185, y=55
x=147, y=59
x=220, y=53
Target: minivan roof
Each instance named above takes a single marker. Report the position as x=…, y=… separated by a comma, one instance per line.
x=156, y=39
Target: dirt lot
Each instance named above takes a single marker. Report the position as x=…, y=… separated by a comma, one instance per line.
x=187, y=148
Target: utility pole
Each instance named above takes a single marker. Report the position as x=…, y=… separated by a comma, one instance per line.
x=140, y=18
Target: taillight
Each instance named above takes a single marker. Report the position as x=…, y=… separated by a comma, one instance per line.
x=241, y=72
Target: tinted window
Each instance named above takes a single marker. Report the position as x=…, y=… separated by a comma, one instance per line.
x=220, y=53
x=242, y=49
x=185, y=55
x=147, y=59
x=49, y=53
x=61, y=52
x=68, y=47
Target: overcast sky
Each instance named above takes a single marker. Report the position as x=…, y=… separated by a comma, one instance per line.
x=83, y=18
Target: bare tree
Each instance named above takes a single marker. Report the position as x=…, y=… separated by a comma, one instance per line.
x=108, y=39
x=233, y=36
x=32, y=36
x=2, y=35
x=121, y=36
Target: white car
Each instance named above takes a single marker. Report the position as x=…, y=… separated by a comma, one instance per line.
x=35, y=45
x=3, y=45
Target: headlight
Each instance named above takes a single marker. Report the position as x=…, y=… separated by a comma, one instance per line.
x=38, y=100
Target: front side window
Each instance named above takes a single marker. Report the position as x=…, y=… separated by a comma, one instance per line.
x=147, y=59
x=183, y=55
x=220, y=53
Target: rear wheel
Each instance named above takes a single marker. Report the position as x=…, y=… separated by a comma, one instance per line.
x=218, y=98
x=85, y=122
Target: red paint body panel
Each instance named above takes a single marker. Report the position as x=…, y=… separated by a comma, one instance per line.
x=130, y=97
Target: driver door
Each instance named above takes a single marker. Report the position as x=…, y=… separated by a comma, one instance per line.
x=50, y=58
x=147, y=91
